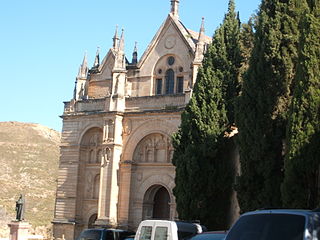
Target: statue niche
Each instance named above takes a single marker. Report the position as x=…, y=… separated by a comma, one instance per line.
x=153, y=148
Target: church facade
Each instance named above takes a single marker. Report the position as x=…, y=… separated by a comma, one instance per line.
x=115, y=163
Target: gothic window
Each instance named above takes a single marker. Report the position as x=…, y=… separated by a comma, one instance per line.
x=180, y=85
x=169, y=81
x=159, y=86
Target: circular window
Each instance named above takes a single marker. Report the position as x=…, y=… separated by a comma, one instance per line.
x=160, y=71
x=171, y=60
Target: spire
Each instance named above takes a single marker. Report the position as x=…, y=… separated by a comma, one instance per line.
x=116, y=39
x=175, y=8
x=201, y=32
x=120, y=60
x=135, y=54
x=200, y=46
x=121, y=42
x=97, y=59
x=83, y=70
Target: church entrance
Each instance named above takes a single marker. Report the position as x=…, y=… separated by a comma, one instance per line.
x=156, y=203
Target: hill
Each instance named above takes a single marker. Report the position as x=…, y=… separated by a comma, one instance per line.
x=29, y=155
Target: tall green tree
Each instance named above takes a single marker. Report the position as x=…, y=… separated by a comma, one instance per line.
x=301, y=183
x=263, y=105
x=204, y=174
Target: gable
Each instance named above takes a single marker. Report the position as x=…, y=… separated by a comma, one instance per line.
x=171, y=39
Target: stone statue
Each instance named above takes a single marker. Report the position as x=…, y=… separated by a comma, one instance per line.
x=20, y=208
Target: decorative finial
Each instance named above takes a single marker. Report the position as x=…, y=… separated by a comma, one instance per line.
x=83, y=70
x=97, y=58
x=201, y=32
x=175, y=8
x=115, y=38
x=135, y=54
x=121, y=43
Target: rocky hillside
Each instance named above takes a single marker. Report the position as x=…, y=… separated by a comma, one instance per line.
x=29, y=155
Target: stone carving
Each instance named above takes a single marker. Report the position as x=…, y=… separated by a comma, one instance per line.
x=127, y=126
x=170, y=42
x=106, y=157
x=20, y=205
x=153, y=148
x=108, y=131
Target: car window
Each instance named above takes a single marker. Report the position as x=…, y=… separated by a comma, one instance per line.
x=90, y=235
x=145, y=233
x=161, y=233
x=267, y=227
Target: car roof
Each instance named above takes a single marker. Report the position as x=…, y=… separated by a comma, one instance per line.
x=282, y=211
x=215, y=232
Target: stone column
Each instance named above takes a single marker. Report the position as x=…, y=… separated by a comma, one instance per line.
x=19, y=230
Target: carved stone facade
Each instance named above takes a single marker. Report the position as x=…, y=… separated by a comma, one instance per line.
x=115, y=165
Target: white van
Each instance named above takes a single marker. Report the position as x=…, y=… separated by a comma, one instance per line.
x=167, y=230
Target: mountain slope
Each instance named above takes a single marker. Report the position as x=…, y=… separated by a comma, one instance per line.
x=29, y=155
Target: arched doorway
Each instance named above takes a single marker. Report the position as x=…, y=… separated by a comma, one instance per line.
x=156, y=203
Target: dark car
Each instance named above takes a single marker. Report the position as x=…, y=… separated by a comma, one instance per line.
x=212, y=235
x=104, y=234
x=276, y=224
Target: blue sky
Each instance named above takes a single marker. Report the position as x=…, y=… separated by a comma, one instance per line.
x=43, y=43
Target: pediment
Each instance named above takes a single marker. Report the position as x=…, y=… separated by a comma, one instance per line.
x=170, y=32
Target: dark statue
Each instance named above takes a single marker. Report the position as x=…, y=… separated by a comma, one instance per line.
x=20, y=208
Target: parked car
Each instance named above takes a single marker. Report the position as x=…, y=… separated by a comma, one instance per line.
x=104, y=234
x=167, y=230
x=212, y=235
x=275, y=224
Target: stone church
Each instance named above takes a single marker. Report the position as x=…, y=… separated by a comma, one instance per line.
x=115, y=163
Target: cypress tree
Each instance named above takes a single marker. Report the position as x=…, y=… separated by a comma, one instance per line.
x=301, y=183
x=204, y=174
x=263, y=105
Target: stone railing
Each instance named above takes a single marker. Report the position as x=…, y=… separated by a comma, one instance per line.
x=132, y=104
x=155, y=102
x=89, y=105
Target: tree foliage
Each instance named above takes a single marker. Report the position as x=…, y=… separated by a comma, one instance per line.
x=301, y=183
x=263, y=105
x=204, y=173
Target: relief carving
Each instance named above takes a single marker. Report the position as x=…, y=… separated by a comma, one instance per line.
x=127, y=126
x=153, y=148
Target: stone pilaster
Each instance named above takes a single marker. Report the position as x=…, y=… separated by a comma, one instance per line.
x=124, y=198
x=109, y=182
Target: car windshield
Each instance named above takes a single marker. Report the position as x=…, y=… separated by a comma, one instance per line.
x=90, y=235
x=208, y=236
x=268, y=227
